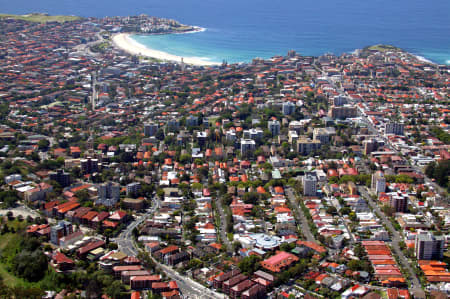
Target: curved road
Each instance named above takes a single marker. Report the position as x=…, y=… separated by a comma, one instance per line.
x=189, y=288
x=86, y=48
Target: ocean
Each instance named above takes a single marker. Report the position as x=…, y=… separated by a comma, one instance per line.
x=240, y=30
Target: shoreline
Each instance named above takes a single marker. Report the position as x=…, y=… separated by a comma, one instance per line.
x=124, y=42
x=423, y=59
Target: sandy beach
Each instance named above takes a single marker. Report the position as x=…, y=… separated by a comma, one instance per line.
x=124, y=42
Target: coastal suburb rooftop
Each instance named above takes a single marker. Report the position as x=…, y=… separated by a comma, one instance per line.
x=293, y=176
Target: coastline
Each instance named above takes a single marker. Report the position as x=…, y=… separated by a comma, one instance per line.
x=125, y=42
x=422, y=58
x=129, y=45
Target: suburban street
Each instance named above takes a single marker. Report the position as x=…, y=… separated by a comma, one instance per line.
x=396, y=238
x=300, y=216
x=336, y=204
x=417, y=169
x=86, y=48
x=349, y=231
x=125, y=238
x=188, y=287
x=223, y=225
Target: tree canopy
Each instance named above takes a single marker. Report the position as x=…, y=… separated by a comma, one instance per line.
x=440, y=172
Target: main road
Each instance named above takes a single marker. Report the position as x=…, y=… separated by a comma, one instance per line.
x=396, y=238
x=223, y=225
x=300, y=216
x=86, y=48
x=188, y=287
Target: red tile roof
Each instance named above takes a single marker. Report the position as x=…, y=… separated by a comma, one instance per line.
x=277, y=262
x=312, y=245
x=90, y=246
x=135, y=295
x=60, y=258
x=169, y=249
x=118, y=215
x=68, y=206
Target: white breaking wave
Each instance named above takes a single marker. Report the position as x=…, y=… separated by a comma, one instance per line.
x=423, y=59
x=129, y=45
x=197, y=29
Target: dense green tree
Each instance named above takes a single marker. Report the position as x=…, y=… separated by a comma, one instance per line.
x=82, y=195
x=359, y=251
x=24, y=292
x=252, y=197
x=354, y=265
x=114, y=290
x=388, y=210
x=331, y=210
x=146, y=260
x=126, y=157
x=185, y=158
x=9, y=198
x=345, y=211
x=52, y=164
x=160, y=134
x=440, y=172
x=287, y=246
x=249, y=264
x=43, y=144
x=401, y=178
x=441, y=135
x=93, y=289
x=30, y=265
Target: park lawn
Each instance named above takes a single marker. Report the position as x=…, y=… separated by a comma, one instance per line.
x=100, y=47
x=41, y=18
x=383, y=48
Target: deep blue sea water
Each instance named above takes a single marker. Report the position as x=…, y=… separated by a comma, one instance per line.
x=239, y=30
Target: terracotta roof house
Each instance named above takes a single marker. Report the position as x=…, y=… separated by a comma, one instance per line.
x=61, y=262
x=279, y=261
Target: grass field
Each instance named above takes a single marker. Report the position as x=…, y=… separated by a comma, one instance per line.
x=9, y=246
x=8, y=278
x=9, y=243
x=40, y=18
x=383, y=48
x=17, y=225
x=11, y=280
